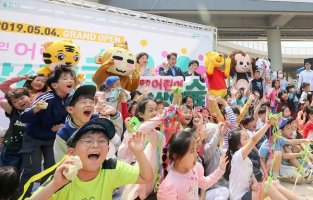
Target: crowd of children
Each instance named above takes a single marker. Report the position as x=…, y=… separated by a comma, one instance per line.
x=129, y=149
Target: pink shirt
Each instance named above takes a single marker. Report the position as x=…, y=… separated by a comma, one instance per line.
x=186, y=186
x=272, y=97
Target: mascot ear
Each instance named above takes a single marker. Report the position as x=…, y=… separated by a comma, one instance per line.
x=98, y=60
x=209, y=54
x=47, y=44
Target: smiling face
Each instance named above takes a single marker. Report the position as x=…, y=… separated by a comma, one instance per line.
x=243, y=63
x=186, y=116
x=124, y=62
x=64, y=85
x=150, y=111
x=38, y=83
x=21, y=103
x=82, y=111
x=90, y=152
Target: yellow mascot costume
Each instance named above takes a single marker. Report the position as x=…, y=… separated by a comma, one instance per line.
x=216, y=77
x=118, y=61
x=60, y=52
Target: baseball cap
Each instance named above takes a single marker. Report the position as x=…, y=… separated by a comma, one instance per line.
x=99, y=124
x=110, y=80
x=285, y=121
x=85, y=90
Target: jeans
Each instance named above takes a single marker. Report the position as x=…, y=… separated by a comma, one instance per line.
x=10, y=158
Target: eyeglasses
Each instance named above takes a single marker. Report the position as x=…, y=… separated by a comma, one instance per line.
x=88, y=142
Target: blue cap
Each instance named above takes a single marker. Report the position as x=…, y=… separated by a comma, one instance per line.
x=111, y=80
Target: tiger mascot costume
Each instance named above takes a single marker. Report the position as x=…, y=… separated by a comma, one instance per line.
x=61, y=52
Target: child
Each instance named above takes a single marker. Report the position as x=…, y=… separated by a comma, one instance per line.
x=293, y=99
x=36, y=84
x=160, y=106
x=187, y=175
x=256, y=84
x=286, y=111
x=99, y=176
x=186, y=116
x=188, y=100
x=308, y=127
x=272, y=96
x=44, y=118
x=305, y=91
x=212, y=154
x=81, y=108
x=146, y=113
x=243, y=185
x=9, y=178
x=16, y=101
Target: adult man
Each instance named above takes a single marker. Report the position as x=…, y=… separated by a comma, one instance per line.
x=170, y=69
x=306, y=75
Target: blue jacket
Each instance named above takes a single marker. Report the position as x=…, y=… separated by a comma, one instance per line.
x=39, y=124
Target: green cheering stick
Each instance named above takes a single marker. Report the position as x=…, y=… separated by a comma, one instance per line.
x=177, y=90
x=133, y=124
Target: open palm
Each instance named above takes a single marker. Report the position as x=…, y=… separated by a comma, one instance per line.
x=136, y=143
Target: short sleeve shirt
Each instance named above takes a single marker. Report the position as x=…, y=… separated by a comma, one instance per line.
x=264, y=149
x=113, y=174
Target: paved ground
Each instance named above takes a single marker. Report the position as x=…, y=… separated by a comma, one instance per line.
x=305, y=190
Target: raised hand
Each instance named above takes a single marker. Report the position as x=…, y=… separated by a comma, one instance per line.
x=136, y=144
x=59, y=180
x=106, y=110
x=40, y=105
x=56, y=127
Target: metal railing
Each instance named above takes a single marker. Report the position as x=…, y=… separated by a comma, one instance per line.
x=260, y=46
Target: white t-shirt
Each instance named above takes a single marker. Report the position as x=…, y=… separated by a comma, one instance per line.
x=240, y=176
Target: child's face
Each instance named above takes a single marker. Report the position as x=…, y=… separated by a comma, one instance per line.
x=82, y=111
x=307, y=88
x=38, y=83
x=287, y=131
x=188, y=161
x=291, y=90
x=90, y=152
x=150, y=111
x=251, y=126
x=277, y=84
x=294, y=125
x=284, y=96
x=133, y=110
x=205, y=114
x=262, y=117
x=244, y=138
x=21, y=103
x=186, y=116
x=257, y=75
x=116, y=84
x=65, y=84
x=160, y=108
x=286, y=113
x=189, y=102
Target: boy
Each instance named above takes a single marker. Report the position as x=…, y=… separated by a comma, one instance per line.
x=112, y=90
x=80, y=108
x=16, y=101
x=99, y=176
x=256, y=84
x=44, y=118
x=306, y=91
x=293, y=100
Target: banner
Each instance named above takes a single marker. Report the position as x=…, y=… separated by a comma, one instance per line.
x=159, y=87
x=26, y=25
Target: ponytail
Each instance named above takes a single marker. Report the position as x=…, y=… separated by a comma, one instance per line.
x=228, y=166
x=233, y=143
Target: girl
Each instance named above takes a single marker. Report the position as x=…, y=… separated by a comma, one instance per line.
x=308, y=127
x=146, y=112
x=244, y=185
x=272, y=96
x=286, y=111
x=186, y=175
x=186, y=116
x=188, y=100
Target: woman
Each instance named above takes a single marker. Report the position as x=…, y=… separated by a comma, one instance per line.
x=142, y=60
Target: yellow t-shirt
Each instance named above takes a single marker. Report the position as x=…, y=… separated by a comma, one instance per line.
x=113, y=174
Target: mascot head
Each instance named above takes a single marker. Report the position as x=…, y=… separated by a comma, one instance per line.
x=216, y=58
x=240, y=62
x=123, y=61
x=61, y=52
x=263, y=62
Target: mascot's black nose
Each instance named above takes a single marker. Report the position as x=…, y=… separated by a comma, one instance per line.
x=68, y=63
x=221, y=55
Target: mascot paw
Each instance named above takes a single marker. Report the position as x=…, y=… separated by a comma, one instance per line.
x=227, y=61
